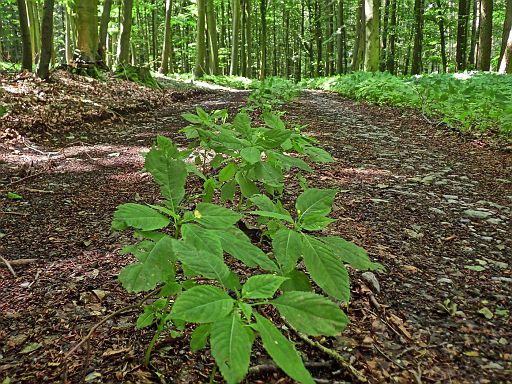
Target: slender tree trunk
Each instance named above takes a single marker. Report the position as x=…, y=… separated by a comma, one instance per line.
x=385, y=33
x=358, y=51
x=391, y=51
x=34, y=31
x=419, y=8
x=506, y=60
x=87, y=28
x=442, y=36
x=263, y=39
x=475, y=26
x=123, y=48
x=167, y=44
x=25, y=36
x=235, y=35
x=340, y=35
x=507, y=24
x=485, y=42
x=1, y=41
x=248, y=38
x=199, y=69
x=154, y=35
x=371, y=58
x=212, y=37
x=105, y=18
x=462, y=35
x=68, y=40
x=46, y=40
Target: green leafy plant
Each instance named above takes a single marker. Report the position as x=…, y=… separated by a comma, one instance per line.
x=14, y=196
x=272, y=93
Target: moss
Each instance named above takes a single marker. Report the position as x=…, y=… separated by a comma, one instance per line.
x=140, y=75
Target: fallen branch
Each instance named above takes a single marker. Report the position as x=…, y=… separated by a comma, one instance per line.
x=352, y=371
x=19, y=262
x=13, y=213
x=26, y=178
x=9, y=266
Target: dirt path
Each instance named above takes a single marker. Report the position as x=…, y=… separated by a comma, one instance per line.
x=422, y=202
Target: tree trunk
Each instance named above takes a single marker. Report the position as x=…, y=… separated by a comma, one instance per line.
x=385, y=33
x=1, y=41
x=235, y=35
x=123, y=48
x=485, y=42
x=199, y=68
x=263, y=40
x=391, y=51
x=167, y=44
x=506, y=60
x=340, y=38
x=440, y=22
x=419, y=8
x=371, y=16
x=507, y=24
x=212, y=37
x=46, y=40
x=462, y=35
x=105, y=18
x=358, y=52
x=87, y=28
x=25, y=36
x=474, y=33
x=248, y=38
x=154, y=41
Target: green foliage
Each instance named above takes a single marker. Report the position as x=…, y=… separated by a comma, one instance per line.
x=272, y=93
x=14, y=196
x=140, y=75
x=480, y=101
x=236, y=82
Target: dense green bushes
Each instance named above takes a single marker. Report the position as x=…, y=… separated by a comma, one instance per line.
x=466, y=101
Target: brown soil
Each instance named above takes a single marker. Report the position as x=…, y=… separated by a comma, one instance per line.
x=408, y=194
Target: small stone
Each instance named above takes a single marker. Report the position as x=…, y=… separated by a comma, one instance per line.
x=444, y=280
x=477, y=214
x=502, y=279
x=413, y=234
x=371, y=279
x=494, y=221
x=451, y=197
x=438, y=211
x=493, y=365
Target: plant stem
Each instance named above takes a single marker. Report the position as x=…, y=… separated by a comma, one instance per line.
x=212, y=375
x=157, y=334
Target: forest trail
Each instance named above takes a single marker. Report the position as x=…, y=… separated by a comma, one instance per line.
x=434, y=209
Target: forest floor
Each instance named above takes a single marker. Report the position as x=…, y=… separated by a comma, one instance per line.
x=434, y=207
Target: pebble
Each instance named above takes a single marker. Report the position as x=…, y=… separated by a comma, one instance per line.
x=502, y=279
x=444, y=280
x=438, y=211
x=371, y=279
x=494, y=221
x=477, y=214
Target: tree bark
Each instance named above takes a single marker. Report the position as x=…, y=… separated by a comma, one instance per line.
x=235, y=35
x=462, y=35
x=391, y=51
x=213, y=45
x=485, y=42
x=46, y=40
x=105, y=18
x=442, y=36
x=263, y=40
x=340, y=38
x=507, y=24
x=372, y=49
x=25, y=36
x=506, y=59
x=87, y=28
x=167, y=44
x=199, y=68
x=123, y=48
x=248, y=38
x=474, y=33
x=419, y=9
x=358, y=52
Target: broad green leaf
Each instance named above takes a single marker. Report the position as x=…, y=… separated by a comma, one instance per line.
x=208, y=190
x=273, y=121
x=310, y=313
x=155, y=267
x=298, y=281
x=191, y=118
x=251, y=154
x=227, y=173
x=227, y=192
x=282, y=351
x=247, y=186
x=138, y=216
x=14, y=196
x=146, y=318
x=325, y=268
x=242, y=124
x=202, y=304
x=215, y=216
x=314, y=202
x=273, y=215
x=231, y=348
x=316, y=222
x=350, y=253
x=273, y=138
x=238, y=245
x=268, y=173
x=318, y=155
x=287, y=246
x=170, y=173
x=263, y=202
x=262, y=286
x=199, y=337
x=291, y=162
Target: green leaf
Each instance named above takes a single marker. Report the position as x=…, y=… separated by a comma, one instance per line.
x=199, y=337
x=268, y=174
x=291, y=162
x=310, y=313
x=30, y=348
x=14, y=196
x=138, y=216
x=238, y=245
x=155, y=267
x=202, y=304
x=298, y=281
x=287, y=246
x=208, y=190
x=263, y=202
x=316, y=222
x=227, y=173
x=273, y=121
x=273, y=215
x=231, y=348
x=251, y=154
x=282, y=351
x=318, y=155
x=262, y=286
x=242, y=124
x=314, y=202
x=146, y=318
x=350, y=253
x=215, y=217
x=227, y=192
x=325, y=269
x=477, y=268
x=247, y=186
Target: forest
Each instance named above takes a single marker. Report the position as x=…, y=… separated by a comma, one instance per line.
x=255, y=191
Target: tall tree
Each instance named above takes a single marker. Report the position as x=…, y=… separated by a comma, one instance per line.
x=507, y=24
x=419, y=10
x=473, y=52
x=372, y=49
x=199, y=68
x=248, y=37
x=391, y=50
x=87, y=30
x=213, y=45
x=462, y=34
x=485, y=42
x=46, y=40
x=505, y=64
x=235, y=35
x=123, y=48
x=263, y=40
x=25, y=36
x=105, y=18
x=340, y=38
x=167, y=44
x=442, y=35
x=358, y=51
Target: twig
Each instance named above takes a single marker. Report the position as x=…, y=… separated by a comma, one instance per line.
x=13, y=213
x=35, y=278
x=26, y=178
x=9, y=266
x=354, y=373
x=104, y=320
x=389, y=358
x=326, y=381
x=272, y=367
x=22, y=262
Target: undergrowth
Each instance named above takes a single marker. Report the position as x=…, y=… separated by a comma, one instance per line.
x=469, y=101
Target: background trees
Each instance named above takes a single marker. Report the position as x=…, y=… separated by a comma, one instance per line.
x=289, y=38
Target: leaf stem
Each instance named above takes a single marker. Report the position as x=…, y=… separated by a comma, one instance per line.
x=157, y=334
